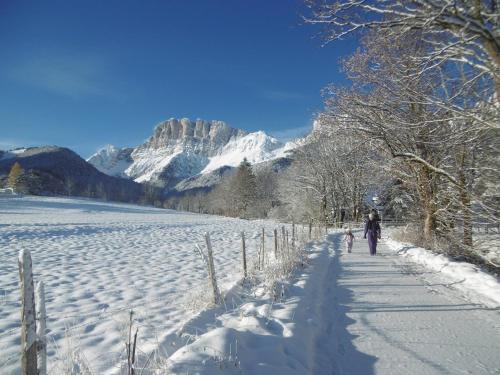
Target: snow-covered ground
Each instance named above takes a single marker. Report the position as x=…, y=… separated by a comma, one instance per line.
x=487, y=244
x=100, y=259
x=404, y=311
x=352, y=314
x=470, y=279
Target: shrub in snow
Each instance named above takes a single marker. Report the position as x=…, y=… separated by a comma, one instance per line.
x=70, y=359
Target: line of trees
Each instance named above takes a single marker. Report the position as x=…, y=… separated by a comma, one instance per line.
x=424, y=95
x=329, y=179
x=246, y=193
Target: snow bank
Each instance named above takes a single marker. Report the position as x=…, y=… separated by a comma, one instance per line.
x=262, y=335
x=465, y=276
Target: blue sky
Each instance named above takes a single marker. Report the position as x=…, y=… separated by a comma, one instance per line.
x=85, y=73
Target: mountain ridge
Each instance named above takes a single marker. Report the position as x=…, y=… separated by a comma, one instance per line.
x=180, y=149
x=56, y=170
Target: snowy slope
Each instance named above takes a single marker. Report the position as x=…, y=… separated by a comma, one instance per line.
x=150, y=163
x=11, y=153
x=255, y=147
x=112, y=160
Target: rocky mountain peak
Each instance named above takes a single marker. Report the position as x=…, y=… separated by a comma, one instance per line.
x=180, y=149
x=215, y=133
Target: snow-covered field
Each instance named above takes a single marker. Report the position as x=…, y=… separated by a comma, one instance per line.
x=342, y=313
x=100, y=259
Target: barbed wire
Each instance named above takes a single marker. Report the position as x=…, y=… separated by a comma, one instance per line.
x=10, y=331
x=104, y=314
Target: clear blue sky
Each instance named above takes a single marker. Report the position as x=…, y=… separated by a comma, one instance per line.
x=85, y=73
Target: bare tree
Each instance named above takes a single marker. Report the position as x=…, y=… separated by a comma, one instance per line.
x=429, y=123
x=266, y=182
x=330, y=175
x=462, y=31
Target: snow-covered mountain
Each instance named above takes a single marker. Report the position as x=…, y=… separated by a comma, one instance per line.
x=112, y=160
x=180, y=149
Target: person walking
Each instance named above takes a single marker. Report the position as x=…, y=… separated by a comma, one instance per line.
x=348, y=239
x=372, y=229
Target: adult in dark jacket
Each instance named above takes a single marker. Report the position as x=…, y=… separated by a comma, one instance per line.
x=372, y=229
x=375, y=212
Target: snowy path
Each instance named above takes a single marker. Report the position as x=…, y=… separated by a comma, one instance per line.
x=383, y=315
x=356, y=315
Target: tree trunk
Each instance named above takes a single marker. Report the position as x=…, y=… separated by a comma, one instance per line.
x=467, y=218
x=429, y=226
x=429, y=206
x=464, y=201
x=323, y=208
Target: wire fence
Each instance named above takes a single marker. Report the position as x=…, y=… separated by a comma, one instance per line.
x=74, y=322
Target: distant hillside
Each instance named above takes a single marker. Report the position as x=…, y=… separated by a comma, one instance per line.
x=52, y=170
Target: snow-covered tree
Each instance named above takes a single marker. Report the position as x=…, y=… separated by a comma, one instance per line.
x=436, y=127
x=244, y=188
x=330, y=175
x=461, y=31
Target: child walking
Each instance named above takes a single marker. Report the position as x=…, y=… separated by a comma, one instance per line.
x=348, y=239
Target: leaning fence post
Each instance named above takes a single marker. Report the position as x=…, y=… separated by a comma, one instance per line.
x=211, y=269
x=28, y=312
x=244, y=254
x=41, y=316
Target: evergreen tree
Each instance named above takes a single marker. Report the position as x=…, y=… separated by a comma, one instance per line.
x=244, y=188
x=15, y=172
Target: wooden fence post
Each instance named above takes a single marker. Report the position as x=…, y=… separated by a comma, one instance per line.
x=28, y=315
x=275, y=244
x=310, y=229
x=211, y=269
x=293, y=235
x=244, y=254
x=41, y=316
x=131, y=347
